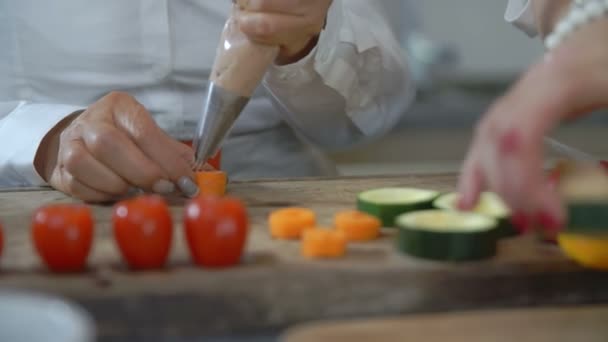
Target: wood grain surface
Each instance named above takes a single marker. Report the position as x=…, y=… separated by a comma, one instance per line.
x=275, y=287
x=589, y=324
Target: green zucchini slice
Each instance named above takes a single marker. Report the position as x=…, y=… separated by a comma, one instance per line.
x=585, y=190
x=489, y=204
x=447, y=235
x=388, y=203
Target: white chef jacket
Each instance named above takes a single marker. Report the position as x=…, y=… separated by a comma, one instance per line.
x=60, y=56
x=521, y=14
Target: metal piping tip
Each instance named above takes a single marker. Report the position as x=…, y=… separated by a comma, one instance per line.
x=221, y=109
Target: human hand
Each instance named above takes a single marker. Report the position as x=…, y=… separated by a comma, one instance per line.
x=506, y=155
x=111, y=147
x=293, y=25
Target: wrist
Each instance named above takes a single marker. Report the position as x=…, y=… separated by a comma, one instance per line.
x=46, y=154
x=581, y=15
x=548, y=13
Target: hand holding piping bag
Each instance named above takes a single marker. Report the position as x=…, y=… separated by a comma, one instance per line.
x=238, y=69
x=257, y=34
x=240, y=63
x=293, y=25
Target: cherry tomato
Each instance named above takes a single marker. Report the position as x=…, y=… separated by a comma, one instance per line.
x=63, y=235
x=216, y=231
x=143, y=230
x=215, y=161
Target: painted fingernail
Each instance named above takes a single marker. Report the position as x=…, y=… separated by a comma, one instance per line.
x=548, y=222
x=188, y=187
x=521, y=222
x=163, y=187
x=463, y=203
x=510, y=142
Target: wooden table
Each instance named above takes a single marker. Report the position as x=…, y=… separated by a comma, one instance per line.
x=589, y=324
x=275, y=287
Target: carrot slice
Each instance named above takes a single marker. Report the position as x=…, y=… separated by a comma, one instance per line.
x=319, y=243
x=357, y=226
x=289, y=223
x=211, y=183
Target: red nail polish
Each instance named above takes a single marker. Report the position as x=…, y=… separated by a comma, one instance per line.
x=549, y=222
x=463, y=203
x=510, y=142
x=521, y=221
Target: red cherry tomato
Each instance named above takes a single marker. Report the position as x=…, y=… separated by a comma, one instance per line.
x=216, y=231
x=63, y=235
x=215, y=161
x=143, y=230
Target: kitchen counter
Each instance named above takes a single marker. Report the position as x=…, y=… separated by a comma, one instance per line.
x=275, y=287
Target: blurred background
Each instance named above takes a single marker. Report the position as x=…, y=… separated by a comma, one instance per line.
x=464, y=55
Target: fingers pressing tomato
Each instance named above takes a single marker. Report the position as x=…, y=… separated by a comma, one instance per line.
x=143, y=230
x=216, y=231
x=63, y=235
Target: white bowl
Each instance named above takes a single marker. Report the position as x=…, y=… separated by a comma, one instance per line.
x=32, y=317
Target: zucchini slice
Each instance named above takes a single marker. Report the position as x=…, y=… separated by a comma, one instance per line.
x=489, y=204
x=388, y=203
x=447, y=235
x=585, y=190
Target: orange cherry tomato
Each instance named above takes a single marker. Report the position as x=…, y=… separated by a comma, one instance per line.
x=143, y=231
x=216, y=231
x=63, y=235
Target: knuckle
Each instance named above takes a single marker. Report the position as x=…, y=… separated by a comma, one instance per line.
x=101, y=139
x=260, y=27
x=71, y=158
x=118, y=96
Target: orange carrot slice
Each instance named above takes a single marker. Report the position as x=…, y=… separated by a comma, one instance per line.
x=357, y=226
x=319, y=243
x=289, y=223
x=211, y=183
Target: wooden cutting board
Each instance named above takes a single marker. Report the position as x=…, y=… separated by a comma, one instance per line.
x=275, y=287
x=589, y=324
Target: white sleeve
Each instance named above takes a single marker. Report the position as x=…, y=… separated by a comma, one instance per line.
x=22, y=128
x=355, y=85
x=521, y=14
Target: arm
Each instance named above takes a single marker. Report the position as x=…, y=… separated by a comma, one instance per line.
x=23, y=126
x=506, y=155
x=353, y=86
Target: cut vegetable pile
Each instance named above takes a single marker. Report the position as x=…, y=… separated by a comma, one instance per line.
x=290, y=223
x=357, y=226
x=585, y=190
x=323, y=243
x=212, y=183
x=428, y=225
x=585, y=238
x=388, y=203
x=447, y=235
x=489, y=205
